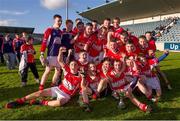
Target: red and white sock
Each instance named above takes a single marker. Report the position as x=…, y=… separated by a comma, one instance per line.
x=143, y=107
x=41, y=87
x=44, y=102
x=21, y=100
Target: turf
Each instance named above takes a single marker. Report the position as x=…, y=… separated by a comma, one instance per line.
x=105, y=108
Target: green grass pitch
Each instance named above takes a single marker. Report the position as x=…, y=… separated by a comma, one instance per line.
x=105, y=108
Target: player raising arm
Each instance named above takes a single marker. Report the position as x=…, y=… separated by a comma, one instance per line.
x=63, y=93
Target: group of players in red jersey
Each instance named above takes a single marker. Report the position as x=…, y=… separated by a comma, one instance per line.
x=96, y=59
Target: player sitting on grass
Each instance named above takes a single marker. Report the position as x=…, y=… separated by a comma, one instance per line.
x=154, y=63
x=27, y=61
x=70, y=85
x=95, y=85
x=123, y=87
x=133, y=73
x=152, y=81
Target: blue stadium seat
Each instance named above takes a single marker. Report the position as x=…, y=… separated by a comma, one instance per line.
x=140, y=29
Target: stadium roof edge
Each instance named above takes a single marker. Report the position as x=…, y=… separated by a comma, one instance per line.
x=13, y=29
x=132, y=9
x=98, y=6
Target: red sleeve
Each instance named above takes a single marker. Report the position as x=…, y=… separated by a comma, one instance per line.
x=122, y=49
x=92, y=40
x=152, y=45
x=66, y=68
x=135, y=40
x=119, y=30
x=99, y=66
x=45, y=39
x=75, y=31
x=23, y=48
x=109, y=74
x=116, y=35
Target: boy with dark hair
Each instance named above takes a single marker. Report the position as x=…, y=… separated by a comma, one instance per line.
x=143, y=46
x=116, y=25
x=51, y=41
x=95, y=26
x=67, y=36
x=83, y=40
x=151, y=40
x=28, y=61
x=79, y=28
x=107, y=24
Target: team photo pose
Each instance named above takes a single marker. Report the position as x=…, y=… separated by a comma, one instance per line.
x=70, y=85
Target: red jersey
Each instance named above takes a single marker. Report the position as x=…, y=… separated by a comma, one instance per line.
x=153, y=62
x=75, y=30
x=93, y=52
x=129, y=71
x=134, y=54
x=117, y=80
x=93, y=83
x=82, y=41
x=117, y=32
x=110, y=54
x=70, y=83
x=104, y=75
x=152, y=44
x=146, y=70
x=29, y=49
x=83, y=66
x=143, y=51
x=134, y=39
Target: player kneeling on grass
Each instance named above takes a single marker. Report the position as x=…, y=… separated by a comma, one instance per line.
x=123, y=87
x=70, y=85
x=133, y=72
x=94, y=84
x=152, y=81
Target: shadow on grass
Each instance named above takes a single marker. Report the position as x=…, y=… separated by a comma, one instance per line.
x=10, y=94
x=105, y=108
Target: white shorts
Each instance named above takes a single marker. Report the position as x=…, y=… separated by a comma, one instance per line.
x=153, y=83
x=53, y=62
x=56, y=92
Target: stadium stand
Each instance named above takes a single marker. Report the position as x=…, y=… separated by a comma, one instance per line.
x=173, y=33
